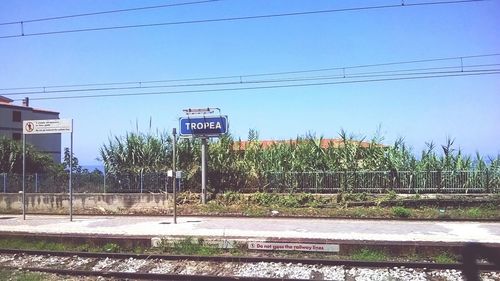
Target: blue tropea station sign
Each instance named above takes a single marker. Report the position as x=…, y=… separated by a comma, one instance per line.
x=203, y=126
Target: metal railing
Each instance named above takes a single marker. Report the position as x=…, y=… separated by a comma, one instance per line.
x=445, y=182
x=384, y=181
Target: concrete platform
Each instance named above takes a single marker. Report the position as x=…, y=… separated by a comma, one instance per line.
x=257, y=228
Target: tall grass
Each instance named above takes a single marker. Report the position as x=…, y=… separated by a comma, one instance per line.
x=231, y=168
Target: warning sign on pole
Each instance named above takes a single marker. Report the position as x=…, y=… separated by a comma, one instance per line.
x=50, y=126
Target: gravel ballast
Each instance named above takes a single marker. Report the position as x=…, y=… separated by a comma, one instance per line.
x=257, y=269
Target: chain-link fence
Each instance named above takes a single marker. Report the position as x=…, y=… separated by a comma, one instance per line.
x=134, y=183
x=89, y=183
x=289, y=182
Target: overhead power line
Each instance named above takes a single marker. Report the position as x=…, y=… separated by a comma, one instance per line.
x=394, y=73
x=23, y=34
x=460, y=74
x=241, y=77
x=107, y=12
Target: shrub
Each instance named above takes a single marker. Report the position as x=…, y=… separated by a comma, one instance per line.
x=289, y=201
x=474, y=212
x=391, y=195
x=265, y=199
x=231, y=197
x=401, y=212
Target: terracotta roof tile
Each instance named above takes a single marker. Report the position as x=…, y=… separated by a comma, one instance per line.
x=5, y=99
x=8, y=104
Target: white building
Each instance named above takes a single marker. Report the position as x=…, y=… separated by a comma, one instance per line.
x=11, y=126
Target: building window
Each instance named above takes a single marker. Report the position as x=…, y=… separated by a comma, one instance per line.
x=16, y=136
x=16, y=116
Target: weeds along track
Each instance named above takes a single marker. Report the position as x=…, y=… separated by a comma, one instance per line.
x=169, y=267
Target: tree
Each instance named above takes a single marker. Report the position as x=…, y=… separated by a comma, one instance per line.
x=75, y=167
x=11, y=158
x=136, y=153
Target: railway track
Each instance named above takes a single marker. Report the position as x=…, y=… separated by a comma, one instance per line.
x=181, y=267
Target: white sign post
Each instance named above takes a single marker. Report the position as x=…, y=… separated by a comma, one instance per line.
x=50, y=126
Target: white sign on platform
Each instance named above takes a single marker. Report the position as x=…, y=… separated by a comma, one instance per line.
x=307, y=247
x=50, y=126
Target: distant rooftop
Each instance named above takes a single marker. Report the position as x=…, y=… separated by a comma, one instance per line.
x=5, y=100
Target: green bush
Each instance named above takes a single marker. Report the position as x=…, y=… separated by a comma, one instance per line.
x=289, y=201
x=231, y=197
x=401, y=212
x=474, y=212
x=265, y=199
x=390, y=196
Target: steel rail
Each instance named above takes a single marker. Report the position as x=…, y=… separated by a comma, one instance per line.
x=241, y=259
x=144, y=276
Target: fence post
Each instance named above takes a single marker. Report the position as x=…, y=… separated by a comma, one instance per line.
x=316, y=181
x=487, y=182
x=440, y=182
x=141, y=181
x=355, y=185
x=166, y=184
x=4, y=182
x=36, y=182
x=104, y=179
x=344, y=187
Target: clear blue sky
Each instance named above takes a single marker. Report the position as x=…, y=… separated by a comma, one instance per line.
x=466, y=108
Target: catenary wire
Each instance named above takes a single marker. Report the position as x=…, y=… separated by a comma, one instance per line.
x=256, y=75
x=266, y=87
x=108, y=12
x=295, y=79
x=353, y=74
x=240, y=18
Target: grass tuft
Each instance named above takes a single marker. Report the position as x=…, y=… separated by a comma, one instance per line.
x=366, y=254
x=189, y=246
x=17, y=275
x=111, y=248
x=445, y=257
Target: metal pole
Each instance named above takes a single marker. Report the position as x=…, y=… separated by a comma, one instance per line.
x=4, y=182
x=174, y=176
x=104, y=169
x=24, y=174
x=203, y=170
x=36, y=182
x=70, y=176
x=166, y=185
